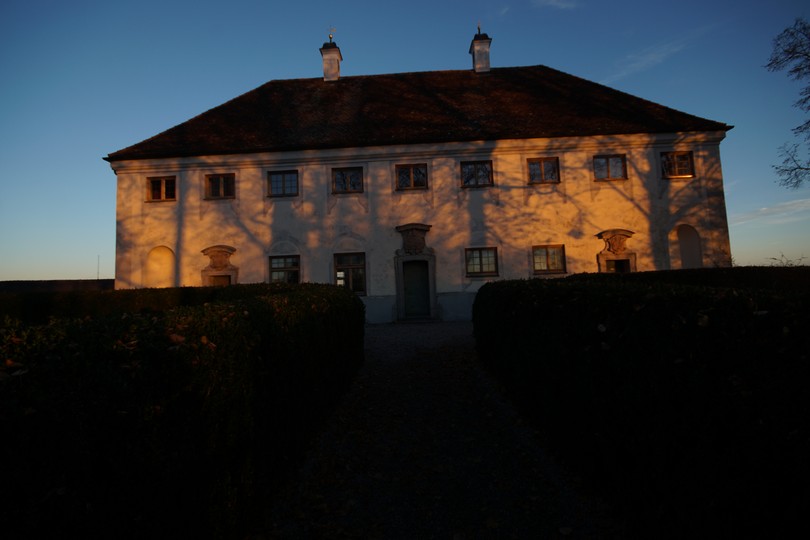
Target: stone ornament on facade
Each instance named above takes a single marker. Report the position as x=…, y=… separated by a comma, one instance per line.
x=413, y=238
x=615, y=257
x=615, y=240
x=219, y=265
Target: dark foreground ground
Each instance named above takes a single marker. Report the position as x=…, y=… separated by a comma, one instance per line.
x=425, y=446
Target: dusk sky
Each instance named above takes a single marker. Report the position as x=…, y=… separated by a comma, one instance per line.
x=84, y=78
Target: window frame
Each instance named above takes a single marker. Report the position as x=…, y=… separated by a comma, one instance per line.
x=284, y=192
x=476, y=164
x=224, y=179
x=543, y=160
x=350, y=281
x=411, y=167
x=285, y=268
x=548, y=270
x=163, y=180
x=608, y=158
x=337, y=170
x=481, y=272
x=665, y=173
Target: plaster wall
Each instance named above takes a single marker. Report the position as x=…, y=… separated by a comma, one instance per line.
x=511, y=215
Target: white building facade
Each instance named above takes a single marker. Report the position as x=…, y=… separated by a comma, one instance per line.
x=416, y=222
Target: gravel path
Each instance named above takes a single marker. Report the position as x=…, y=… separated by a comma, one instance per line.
x=423, y=446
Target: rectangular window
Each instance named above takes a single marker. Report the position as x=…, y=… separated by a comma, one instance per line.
x=482, y=261
x=220, y=186
x=548, y=259
x=411, y=177
x=476, y=173
x=282, y=183
x=677, y=165
x=350, y=271
x=612, y=167
x=544, y=170
x=285, y=269
x=161, y=188
x=347, y=180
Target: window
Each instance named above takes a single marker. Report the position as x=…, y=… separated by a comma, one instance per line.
x=161, y=188
x=411, y=177
x=350, y=271
x=544, y=170
x=282, y=183
x=285, y=269
x=220, y=186
x=610, y=167
x=677, y=165
x=476, y=173
x=548, y=259
x=347, y=180
x=482, y=261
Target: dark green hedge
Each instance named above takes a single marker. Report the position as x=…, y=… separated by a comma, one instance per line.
x=178, y=423
x=37, y=307
x=686, y=406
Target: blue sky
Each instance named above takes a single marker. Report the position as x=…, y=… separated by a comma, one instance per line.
x=84, y=78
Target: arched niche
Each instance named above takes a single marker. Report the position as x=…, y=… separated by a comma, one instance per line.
x=685, y=249
x=160, y=268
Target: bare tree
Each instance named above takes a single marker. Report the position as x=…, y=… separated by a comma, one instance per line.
x=791, y=51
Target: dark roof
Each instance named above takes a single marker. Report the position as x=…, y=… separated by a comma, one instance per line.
x=409, y=108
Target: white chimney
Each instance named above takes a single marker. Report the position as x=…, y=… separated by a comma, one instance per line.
x=479, y=49
x=331, y=60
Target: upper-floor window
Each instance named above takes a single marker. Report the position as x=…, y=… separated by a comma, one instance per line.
x=285, y=269
x=548, y=259
x=161, y=188
x=282, y=183
x=347, y=180
x=412, y=177
x=612, y=167
x=544, y=170
x=677, y=165
x=220, y=186
x=350, y=271
x=476, y=173
x=481, y=261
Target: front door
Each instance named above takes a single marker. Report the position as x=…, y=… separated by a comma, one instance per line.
x=416, y=285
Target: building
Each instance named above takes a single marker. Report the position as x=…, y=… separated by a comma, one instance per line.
x=414, y=189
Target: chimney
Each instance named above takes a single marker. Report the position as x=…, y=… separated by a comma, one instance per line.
x=479, y=49
x=331, y=60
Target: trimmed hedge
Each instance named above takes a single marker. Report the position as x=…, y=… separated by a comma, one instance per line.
x=686, y=406
x=177, y=423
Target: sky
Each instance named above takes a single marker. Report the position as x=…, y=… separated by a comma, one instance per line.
x=82, y=79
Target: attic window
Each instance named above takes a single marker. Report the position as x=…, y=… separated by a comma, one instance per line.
x=476, y=173
x=282, y=183
x=612, y=167
x=544, y=170
x=410, y=177
x=347, y=180
x=161, y=188
x=220, y=186
x=677, y=165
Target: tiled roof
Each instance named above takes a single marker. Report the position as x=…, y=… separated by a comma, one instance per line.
x=409, y=108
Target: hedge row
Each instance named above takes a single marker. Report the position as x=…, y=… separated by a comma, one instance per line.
x=36, y=307
x=176, y=423
x=686, y=406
